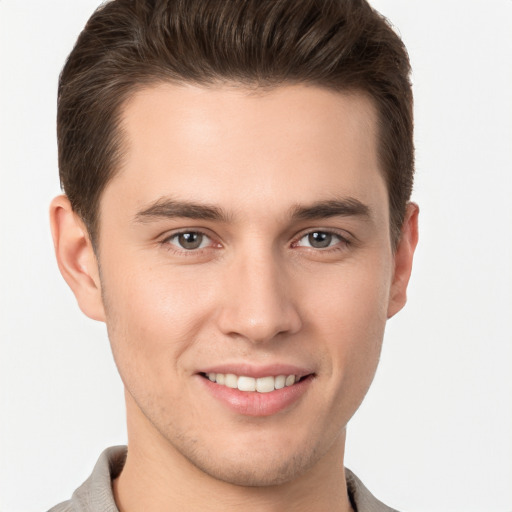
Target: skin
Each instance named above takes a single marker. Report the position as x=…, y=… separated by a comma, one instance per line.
x=258, y=291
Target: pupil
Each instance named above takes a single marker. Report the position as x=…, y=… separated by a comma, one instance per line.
x=320, y=239
x=190, y=240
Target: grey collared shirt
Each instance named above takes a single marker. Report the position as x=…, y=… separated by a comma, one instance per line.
x=95, y=494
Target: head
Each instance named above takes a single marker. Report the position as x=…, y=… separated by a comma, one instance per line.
x=242, y=170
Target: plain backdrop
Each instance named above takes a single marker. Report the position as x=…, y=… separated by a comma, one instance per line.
x=435, y=431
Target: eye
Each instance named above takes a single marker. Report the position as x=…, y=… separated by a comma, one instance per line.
x=320, y=240
x=189, y=240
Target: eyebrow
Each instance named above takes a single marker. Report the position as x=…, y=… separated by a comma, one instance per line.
x=345, y=207
x=171, y=208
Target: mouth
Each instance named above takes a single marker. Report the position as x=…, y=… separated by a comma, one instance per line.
x=265, y=384
x=257, y=391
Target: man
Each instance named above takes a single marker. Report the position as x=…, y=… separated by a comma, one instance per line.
x=237, y=177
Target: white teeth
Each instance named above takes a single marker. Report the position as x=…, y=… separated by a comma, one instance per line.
x=231, y=381
x=265, y=384
x=244, y=383
x=290, y=380
x=280, y=382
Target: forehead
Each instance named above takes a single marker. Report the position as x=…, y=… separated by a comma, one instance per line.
x=287, y=145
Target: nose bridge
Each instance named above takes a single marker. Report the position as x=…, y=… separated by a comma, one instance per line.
x=257, y=304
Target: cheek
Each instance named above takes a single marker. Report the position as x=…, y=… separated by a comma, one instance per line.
x=153, y=318
x=352, y=298
x=350, y=316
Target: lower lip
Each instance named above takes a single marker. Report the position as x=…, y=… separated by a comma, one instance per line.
x=252, y=403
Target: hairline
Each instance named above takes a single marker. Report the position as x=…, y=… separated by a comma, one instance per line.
x=250, y=86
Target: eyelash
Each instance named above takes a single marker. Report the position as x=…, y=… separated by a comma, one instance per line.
x=168, y=245
x=343, y=240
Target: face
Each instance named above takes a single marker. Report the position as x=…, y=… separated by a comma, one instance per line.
x=246, y=273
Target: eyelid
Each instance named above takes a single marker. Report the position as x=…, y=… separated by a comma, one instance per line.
x=345, y=237
x=165, y=240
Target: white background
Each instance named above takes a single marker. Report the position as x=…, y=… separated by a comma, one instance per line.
x=435, y=432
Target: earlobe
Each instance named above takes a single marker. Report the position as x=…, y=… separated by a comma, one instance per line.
x=403, y=260
x=75, y=257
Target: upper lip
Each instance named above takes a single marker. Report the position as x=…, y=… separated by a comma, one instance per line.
x=251, y=370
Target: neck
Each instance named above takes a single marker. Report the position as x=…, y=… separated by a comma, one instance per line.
x=157, y=478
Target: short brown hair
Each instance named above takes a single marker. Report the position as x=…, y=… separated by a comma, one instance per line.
x=343, y=45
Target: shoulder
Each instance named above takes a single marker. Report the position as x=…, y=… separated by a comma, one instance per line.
x=95, y=494
x=362, y=499
x=66, y=506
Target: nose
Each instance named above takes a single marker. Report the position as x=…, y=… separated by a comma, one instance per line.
x=258, y=303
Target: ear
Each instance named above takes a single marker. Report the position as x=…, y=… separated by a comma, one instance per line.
x=75, y=257
x=403, y=260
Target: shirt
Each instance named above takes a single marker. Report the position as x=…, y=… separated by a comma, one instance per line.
x=96, y=495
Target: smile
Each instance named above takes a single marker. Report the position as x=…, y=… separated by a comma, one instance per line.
x=257, y=391
x=245, y=383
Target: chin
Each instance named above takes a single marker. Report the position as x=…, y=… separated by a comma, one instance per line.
x=256, y=473
x=262, y=464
